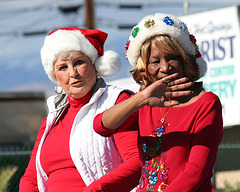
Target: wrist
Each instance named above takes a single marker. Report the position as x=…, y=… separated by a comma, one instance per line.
x=140, y=100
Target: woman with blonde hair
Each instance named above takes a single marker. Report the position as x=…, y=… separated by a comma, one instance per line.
x=178, y=143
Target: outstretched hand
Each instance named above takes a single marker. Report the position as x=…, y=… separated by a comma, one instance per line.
x=162, y=92
x=158, y=94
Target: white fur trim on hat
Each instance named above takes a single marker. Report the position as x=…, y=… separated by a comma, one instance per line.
x=108, y=64
x=160, y=24
x=202, y=66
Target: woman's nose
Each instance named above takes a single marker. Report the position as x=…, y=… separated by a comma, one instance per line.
x=72, y=72
x=164, y=66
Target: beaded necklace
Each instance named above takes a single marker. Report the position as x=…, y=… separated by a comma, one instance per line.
x=153, y=168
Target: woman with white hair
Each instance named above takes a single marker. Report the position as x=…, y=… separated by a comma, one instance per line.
x=68, y=155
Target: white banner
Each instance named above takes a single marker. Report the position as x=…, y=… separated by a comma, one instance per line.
x=217, y=34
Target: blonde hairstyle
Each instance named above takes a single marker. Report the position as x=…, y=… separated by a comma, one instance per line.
x=167, y=45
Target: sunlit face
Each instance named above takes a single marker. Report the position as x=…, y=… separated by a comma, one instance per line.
x=76, y=75
x=161, y=64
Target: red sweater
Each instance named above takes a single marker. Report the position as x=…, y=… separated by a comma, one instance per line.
x=58, y=165
x=183, y=158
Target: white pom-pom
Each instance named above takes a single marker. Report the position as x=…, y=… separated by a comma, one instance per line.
x=202, y=65
x=108, y=64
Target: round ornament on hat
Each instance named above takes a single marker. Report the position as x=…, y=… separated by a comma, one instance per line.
x=108, y=64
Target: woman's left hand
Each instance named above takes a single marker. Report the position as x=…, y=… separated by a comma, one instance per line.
x=162, y=92
x=159, y=94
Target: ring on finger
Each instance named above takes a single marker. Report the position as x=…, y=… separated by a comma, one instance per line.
x=164, y=80
x=168, y=84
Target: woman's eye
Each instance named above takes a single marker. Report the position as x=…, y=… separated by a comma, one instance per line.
x=171, y=57
x=62, y=68
x=78, y=62
x=154, y=62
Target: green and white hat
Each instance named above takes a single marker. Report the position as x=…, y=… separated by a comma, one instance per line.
x=160, y=24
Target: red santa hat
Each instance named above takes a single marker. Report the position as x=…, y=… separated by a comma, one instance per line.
x=90, y=42
x=160, y=24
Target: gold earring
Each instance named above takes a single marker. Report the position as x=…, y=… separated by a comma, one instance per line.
x=98, y=76
x=58, y=89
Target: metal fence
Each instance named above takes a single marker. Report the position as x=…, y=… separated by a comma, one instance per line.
x=14, y=160
x=227, y=168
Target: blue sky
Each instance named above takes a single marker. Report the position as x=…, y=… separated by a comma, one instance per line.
x=20, y=63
